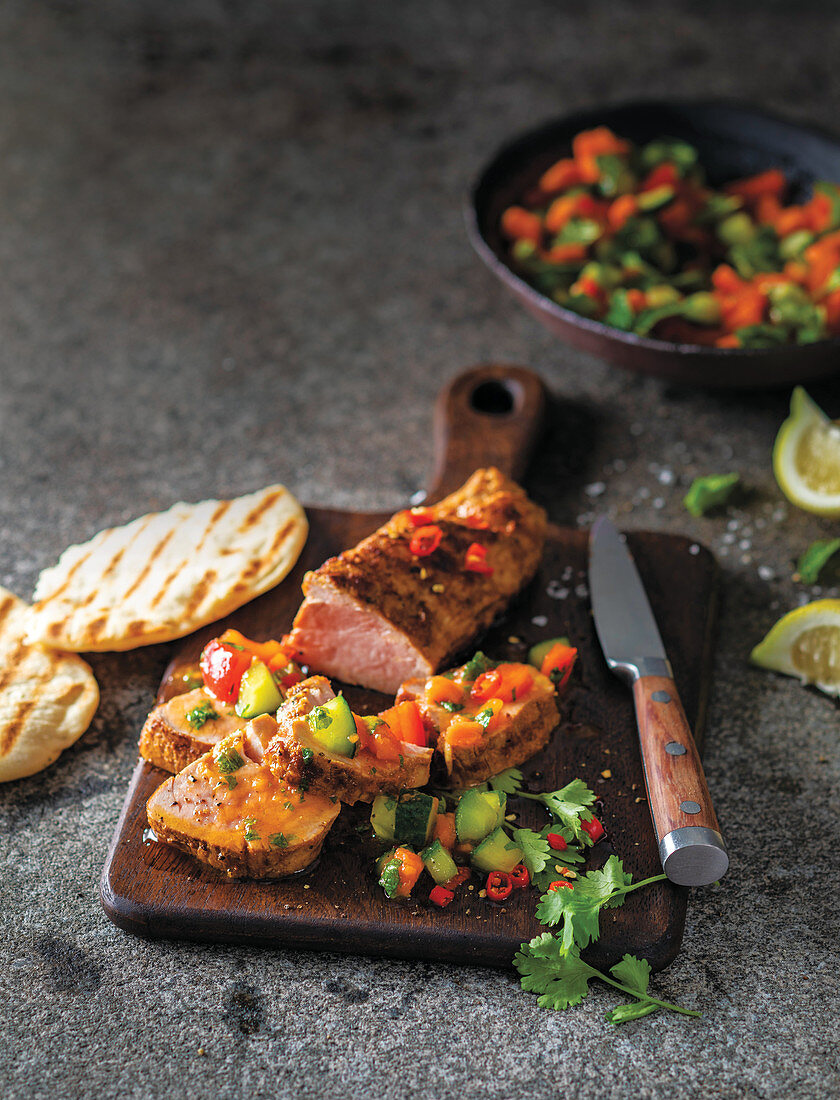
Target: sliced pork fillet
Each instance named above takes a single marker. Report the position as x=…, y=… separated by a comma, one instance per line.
x=382, y=613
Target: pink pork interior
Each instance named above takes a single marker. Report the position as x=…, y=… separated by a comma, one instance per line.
x=342, y=638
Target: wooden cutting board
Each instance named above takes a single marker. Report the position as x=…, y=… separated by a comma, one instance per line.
x=489, y=415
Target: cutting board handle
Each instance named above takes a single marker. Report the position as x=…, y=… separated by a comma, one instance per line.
x=491, y=415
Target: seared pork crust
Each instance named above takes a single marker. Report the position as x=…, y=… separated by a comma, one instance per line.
x=438, y=604
x=360, y=779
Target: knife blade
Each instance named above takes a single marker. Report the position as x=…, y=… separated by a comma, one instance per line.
x=691, y=847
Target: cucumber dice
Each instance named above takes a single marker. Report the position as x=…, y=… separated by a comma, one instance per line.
x=439, y=863
x=333, y=726
x=479, y=813
x=497, y=852
x=258, y=693
x=408, y=819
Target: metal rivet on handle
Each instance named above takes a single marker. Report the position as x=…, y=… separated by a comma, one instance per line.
x=661, y=697
x=690, y=807
x=674, y=748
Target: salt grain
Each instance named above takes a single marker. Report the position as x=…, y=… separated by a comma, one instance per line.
x=694, y=549
x=540, y=620
x=766, y=573
x=595, y=489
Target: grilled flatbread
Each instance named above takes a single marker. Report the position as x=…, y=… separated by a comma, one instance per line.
x=47, y=698
x=168, y=573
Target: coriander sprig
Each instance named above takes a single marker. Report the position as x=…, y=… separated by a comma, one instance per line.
x=561, y=978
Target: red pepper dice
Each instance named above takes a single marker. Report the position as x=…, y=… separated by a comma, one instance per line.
x=593, y=829
x=441, y=897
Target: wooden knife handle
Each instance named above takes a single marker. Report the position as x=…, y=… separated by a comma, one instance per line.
x=690, y=844
x=488, y=416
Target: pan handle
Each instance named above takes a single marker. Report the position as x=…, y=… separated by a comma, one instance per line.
x=491, y=415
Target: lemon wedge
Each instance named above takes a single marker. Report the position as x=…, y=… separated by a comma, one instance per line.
x=806, y=457
x=805, y=643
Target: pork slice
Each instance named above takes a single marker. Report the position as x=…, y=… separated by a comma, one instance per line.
x=242, y=820
x=525, y=728
x=297, y=755
x=170, y=741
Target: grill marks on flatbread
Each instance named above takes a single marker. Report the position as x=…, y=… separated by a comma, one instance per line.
x=165, y=574
x=47, y=698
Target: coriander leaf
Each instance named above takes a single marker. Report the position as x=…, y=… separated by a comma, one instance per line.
x=508, y=781
x=446, y=704
x=814, y=559
x=227, y=759
x=559, y=976
x=608, y=883
x=250, y=830
x=576, y=910
x=536, y=852
x=634, y=1011
x=568, y=805
x=709, y=492
x=278, y=840
x=319, y=719
x=632, y=972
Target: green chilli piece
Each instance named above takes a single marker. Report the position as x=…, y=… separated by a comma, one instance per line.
x=709, y=492
x=815, y=558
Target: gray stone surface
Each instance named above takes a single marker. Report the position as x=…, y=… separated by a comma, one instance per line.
x=231, y=251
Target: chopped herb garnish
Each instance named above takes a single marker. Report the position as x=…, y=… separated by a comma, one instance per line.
x=231, y=781
x=477, y=664
x=200, y=714
x=227, y=759
x=307, y=755
x=278, y=840
x=250, y=831
x=445, y=704
x=484, y=716
x=319, y=718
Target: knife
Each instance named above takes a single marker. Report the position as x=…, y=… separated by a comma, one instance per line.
x=691, y=848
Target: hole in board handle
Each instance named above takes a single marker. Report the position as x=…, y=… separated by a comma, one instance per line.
x=495, y=397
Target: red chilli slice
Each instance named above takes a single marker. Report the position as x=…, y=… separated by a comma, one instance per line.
x=475, y=559
x=425, y=540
